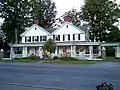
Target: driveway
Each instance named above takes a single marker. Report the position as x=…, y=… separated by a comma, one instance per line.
x=16, y=76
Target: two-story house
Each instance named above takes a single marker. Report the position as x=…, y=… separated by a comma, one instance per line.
x=70, y=40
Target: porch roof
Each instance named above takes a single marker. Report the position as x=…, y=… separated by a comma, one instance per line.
x=110, y=44
x=65, y=43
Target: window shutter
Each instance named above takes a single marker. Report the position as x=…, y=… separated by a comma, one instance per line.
x=33, y=38
x=63, y=37
x=73, y=36
x=37, y=38
x=25, y=39
x=68, y=36
x=58, y=37
x=45, y=38
x=78, y=36
x=40, y=38
x=53, y=37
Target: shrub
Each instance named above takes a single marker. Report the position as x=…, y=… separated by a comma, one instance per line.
x=55, y=57
x=68, y=59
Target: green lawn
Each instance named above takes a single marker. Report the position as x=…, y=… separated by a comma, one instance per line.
x=58, y=61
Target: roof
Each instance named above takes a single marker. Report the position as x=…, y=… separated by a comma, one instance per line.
x=50, y=30
x=84, y=27
x=35, y=25
x=70, y=25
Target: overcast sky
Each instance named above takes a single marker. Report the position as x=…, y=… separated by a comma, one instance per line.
x=66, y=5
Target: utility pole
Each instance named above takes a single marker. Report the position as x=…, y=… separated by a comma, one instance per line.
x=16, y=36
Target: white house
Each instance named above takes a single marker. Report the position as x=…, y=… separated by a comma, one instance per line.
x=70, y=40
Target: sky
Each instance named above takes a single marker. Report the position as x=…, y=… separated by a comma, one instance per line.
x=66, y=5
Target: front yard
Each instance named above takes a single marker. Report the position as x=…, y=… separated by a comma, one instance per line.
x=66, y=60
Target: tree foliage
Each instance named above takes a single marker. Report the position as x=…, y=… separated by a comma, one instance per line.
x=15, y=14
x=49, y=46
x=101, y=15
x=114, y=35
x=49, y=13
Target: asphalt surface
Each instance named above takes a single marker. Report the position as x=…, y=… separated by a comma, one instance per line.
x=38, y=76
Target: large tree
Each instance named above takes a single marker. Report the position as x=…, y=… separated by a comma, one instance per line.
x=48, y=13
x=15, y=14
x=101, y=15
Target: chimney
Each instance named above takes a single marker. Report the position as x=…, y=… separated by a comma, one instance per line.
x=67, y=19
x=36, y=21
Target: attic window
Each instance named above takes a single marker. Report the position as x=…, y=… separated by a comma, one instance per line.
x=35, y=28
x=66, y=26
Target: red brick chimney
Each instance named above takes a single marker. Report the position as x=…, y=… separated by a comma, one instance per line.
x=36, y=21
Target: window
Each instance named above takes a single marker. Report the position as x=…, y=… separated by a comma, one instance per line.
x=28, y=39
x=43, y=38
x=56, y=37
x=76, y=36
x=35, y=28
x=66, y=37
x=36, y=38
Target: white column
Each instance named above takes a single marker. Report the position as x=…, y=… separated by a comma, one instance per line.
x=24, y=52
x=12, y=55
x=71, y=51
x=99, y=48
x=117, y=51
x=74, y=51
x=56, y=51
x=91, y=51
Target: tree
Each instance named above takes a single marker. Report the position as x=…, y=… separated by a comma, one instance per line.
x=74, y=15
x=114, y=35
x=16, y=16
x=101, y=15
x=49, y=46
x=48, y=13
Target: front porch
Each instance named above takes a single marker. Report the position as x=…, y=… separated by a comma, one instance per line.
x=76, y=51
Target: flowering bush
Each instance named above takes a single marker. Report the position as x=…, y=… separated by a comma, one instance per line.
x=104, y=86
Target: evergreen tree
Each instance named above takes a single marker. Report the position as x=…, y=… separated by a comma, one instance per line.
x=101, y=15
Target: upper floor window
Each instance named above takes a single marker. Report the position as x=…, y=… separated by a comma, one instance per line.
x=76, y=36
x=66, y=37
x=56, y=37
x=35, y=38
x=43, y=38
x=28, y=39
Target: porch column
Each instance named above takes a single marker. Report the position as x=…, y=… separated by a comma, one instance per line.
x=56, y=51
x=117, y=52
x=24, y=52
x=91, y=51
x=99, y=52
x=12, y=55
x=73, y=51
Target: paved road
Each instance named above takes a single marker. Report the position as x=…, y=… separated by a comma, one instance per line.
x=38, y=76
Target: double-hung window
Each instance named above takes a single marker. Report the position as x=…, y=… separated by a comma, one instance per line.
x=43, y=38
x=28, y=39
x=66, y=37
x=76, y=37
x=56, y=37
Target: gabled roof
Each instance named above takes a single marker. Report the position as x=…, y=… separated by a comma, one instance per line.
x=35, y=25
x=70, y=25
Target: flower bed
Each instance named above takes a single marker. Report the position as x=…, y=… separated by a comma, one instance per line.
x=105, y=86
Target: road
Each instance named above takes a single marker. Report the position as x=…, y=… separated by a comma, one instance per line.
x=36, y=76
